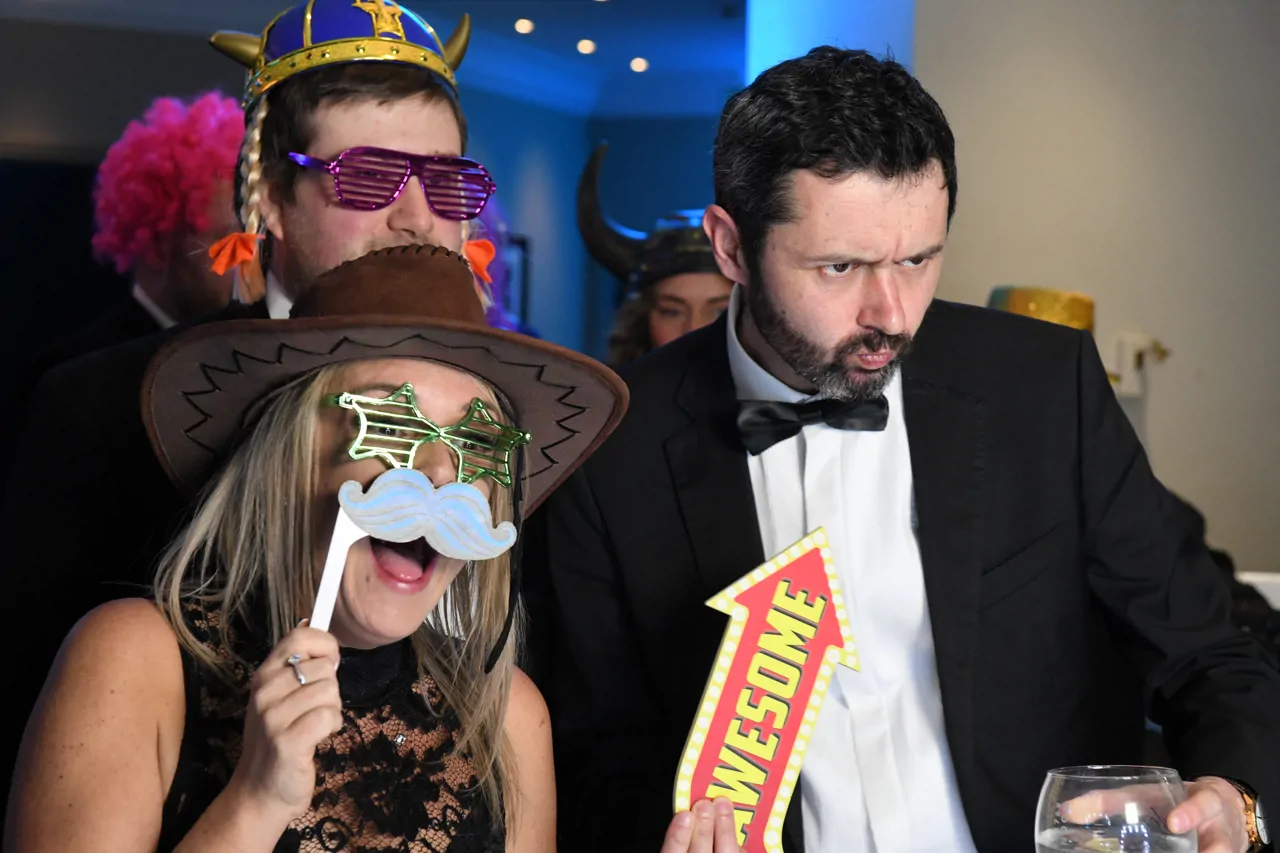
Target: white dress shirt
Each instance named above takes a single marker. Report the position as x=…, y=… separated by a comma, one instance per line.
x=877, y=774
x=278, y=302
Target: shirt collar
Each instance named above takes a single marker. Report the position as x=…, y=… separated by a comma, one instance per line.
x=278, y=302
x=163, y=320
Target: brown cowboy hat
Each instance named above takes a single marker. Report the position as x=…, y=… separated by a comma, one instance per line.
x=406, y=302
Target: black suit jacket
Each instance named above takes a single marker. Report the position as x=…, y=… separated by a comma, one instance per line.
x=87, y=509
x=125, y=321
x=1061, y=608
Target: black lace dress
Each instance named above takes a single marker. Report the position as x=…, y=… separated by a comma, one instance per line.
x=390, y=780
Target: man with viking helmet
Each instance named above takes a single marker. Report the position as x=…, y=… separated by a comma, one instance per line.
x=346, y=103
x=354, y=141
x=670, y=284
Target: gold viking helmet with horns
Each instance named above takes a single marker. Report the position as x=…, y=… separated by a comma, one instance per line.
x=305, y=37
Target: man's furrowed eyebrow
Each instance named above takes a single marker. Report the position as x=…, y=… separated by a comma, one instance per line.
x=930, y=252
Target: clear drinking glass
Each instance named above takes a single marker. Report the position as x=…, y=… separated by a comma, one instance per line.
x=1112, y=808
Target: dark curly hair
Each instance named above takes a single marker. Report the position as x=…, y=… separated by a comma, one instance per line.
x=833, y=112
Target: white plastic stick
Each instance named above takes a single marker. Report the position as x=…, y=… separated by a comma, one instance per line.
x=345, y=534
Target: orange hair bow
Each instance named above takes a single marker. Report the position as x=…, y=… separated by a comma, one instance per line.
x=239, y=250
x=480, y=253
x=233, y=250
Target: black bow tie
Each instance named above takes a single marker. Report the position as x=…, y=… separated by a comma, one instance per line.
x=763, y=423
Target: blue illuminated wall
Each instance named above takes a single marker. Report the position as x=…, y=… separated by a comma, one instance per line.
x=535, y=154
x=782, y=29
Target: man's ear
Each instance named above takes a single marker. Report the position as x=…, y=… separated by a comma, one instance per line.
x=271, y=205
x=725, y=243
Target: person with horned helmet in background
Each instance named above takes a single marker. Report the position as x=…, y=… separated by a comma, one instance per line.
x=670, y=284
x=354, y=141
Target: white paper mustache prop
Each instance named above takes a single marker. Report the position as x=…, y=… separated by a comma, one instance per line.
x=400, y=506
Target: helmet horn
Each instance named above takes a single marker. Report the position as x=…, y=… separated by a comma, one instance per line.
x=242, y=47
x=614, y=247
x=455, y=49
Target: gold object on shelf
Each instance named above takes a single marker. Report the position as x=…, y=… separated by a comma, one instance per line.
x=1063, y=307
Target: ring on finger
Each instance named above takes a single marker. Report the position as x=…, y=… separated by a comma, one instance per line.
x=293, y=661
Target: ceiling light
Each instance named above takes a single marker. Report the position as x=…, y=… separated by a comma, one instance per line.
x=586, y=46
x=524, y=26
x=639, y=64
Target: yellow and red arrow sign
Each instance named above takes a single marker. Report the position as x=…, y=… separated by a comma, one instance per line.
x=788, y=630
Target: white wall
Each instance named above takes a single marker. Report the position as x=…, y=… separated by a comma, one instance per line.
x=1130, y=149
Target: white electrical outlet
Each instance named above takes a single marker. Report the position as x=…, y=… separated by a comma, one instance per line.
x=1130, y=363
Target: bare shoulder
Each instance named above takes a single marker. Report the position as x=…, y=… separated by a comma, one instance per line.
x=132, y=625
x=119, y=669
x=527, y=712
x=103, y=739
x=531, y=824
x=123, y=646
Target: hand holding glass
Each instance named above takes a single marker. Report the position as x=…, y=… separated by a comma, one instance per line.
x=1113, y=808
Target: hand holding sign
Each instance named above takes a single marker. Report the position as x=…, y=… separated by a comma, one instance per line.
x=787, y=631
x=706, y=828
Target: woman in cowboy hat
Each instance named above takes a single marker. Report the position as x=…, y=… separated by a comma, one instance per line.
x=215, y=717
x=413, y=736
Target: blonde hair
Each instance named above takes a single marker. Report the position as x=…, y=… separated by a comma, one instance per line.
x=251, y=534
x=251, y=281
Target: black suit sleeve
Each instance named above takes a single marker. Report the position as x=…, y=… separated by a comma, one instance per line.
x=1213, y=690
x=614, y=772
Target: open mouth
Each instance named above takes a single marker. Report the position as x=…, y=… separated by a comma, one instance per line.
x=405, y=562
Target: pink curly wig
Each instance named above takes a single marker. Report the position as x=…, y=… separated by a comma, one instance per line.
x=158, y=178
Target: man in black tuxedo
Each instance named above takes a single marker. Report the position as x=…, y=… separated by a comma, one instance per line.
x=1009, y=563
x=88, y=509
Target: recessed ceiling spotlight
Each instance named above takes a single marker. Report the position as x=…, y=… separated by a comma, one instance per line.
x=524, y=26
x=639, y=64
x=586, y=46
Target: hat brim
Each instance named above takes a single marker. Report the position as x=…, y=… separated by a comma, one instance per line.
x=201, y=384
